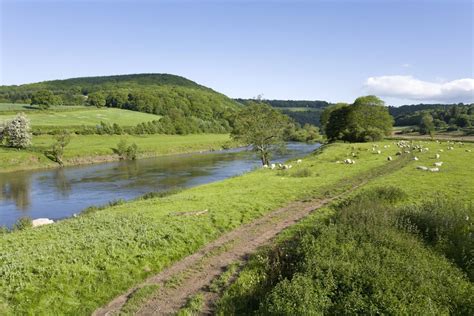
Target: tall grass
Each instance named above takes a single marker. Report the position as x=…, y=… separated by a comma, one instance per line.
x=356, y=262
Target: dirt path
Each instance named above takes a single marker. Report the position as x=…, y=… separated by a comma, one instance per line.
x=195, y=273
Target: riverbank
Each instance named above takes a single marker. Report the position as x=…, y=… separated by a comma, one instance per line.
x=88, y=149
x=79, y=264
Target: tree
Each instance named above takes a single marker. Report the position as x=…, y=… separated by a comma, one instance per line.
x=57, y=150
x=17, y=132
x=324, y=119
x=96, y=99
x=260, y=126
x=427, y=125
x=367, y=119
x=44, y=99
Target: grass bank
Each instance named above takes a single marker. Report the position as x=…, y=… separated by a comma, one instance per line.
x=76, y=265
x=85, y=149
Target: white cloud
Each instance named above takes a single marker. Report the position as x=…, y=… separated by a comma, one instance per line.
x=408, y=87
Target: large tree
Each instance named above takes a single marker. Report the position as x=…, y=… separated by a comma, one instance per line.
x=262, y=127
x=324, y=118
x=367, y=119
x=44, y=99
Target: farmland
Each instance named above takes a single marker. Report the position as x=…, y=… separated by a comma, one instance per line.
x=112, y=249
x=70, y=116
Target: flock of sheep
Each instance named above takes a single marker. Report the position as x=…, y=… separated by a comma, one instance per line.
x=408, y=147
x=281, y=166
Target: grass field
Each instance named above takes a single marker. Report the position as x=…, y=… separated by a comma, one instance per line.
x=83, y=116
x=21, y=107
x=78, y=264
x=98, y=148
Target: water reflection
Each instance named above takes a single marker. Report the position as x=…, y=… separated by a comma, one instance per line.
x=59, y=193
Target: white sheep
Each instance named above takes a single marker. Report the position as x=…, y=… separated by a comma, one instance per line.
x=389, y=158
x=299, y=161
x=437, y=156
x=272, y=166
x=438, y=164
x=415, y=158
x=434, y=169
x=41, y=221
x=265, y=166
x=378, y=152
x=422, y=168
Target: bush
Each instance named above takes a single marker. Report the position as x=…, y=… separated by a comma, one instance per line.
x=23, y=223
x=57, y=149
x=126, y=152
x=17, y=132
x=301, y=173
x=445, y=225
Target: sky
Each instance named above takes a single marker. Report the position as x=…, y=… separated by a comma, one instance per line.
x=405, y=51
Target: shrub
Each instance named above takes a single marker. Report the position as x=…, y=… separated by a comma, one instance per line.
x=301, y=173
x=17, y=132
x=23, y=223
x=57, y=149
x=126, y=152
x=445, y=225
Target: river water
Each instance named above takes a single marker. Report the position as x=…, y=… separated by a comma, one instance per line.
x=59, y=193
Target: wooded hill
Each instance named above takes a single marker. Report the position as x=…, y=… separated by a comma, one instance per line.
x=186, y=106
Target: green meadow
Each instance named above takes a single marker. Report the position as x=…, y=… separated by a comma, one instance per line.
x=79, y=264
x=70, y=116
x=99, y=148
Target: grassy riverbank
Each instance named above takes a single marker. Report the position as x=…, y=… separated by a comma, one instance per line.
x=76, y=265
x=85, y=149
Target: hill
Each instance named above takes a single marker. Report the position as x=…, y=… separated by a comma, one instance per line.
x=186, y=106
x=302, y=111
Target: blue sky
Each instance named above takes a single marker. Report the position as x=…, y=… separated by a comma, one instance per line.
x=403, y=51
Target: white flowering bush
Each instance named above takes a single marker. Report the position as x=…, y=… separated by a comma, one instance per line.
x=17, y=132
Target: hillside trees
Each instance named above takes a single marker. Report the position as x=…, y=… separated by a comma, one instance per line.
x=426, y=125
x=44, y=99
x=367, y=119
x=262, y=127
x=96, y=99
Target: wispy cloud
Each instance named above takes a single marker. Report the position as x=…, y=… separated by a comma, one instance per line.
x=408, y=87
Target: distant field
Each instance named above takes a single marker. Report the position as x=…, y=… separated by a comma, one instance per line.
x=98, y=148
x=84, y=116
x=300, y=109
x=17, y=107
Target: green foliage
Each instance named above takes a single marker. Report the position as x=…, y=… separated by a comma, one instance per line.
x=125, y=151
x=56, y=152
x=24, y=222
x=44, y=99
x=367, y=119
x=426, y=125
x=357, y=262
x=262, y=127
x=445, y=225
x=325, y=115
x=137, y=298
x=17, y=132
x=96, y=99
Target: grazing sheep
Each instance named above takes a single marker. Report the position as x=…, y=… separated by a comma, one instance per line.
x=415, y=158
x=398, y=153
x=434, y=169
x=468, y=150
x=272, y=166
x=438, y=164
x=437, y=156
x=422, y=168
x=440, y=150
x=349, y=161
x=407, y=151
x=299, y=161
x=265, y=166
x=389, y=158
x=41, y=221
x=378, y=152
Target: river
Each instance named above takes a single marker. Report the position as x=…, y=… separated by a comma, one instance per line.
x=59, y=193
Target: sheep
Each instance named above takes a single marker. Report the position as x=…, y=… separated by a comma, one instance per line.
x=389, y=158
x=438, y=164
x=407, y=151
x=422, y=168
x=349, y=161
x=272, y=166
x=468, y=150
x=398, y=153
x=437, y=156
x=378, y=152
x=434, y=169
x=415, y=158
x=265, y=166
x=41, y=221
x=440, y=150
x=299, y=161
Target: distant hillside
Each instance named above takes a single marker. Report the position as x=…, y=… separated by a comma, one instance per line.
x=460, y=115
x=302, y=111
x=186, y=106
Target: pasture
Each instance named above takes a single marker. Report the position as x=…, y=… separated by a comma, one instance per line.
x=68, y=117
x=46, y=270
